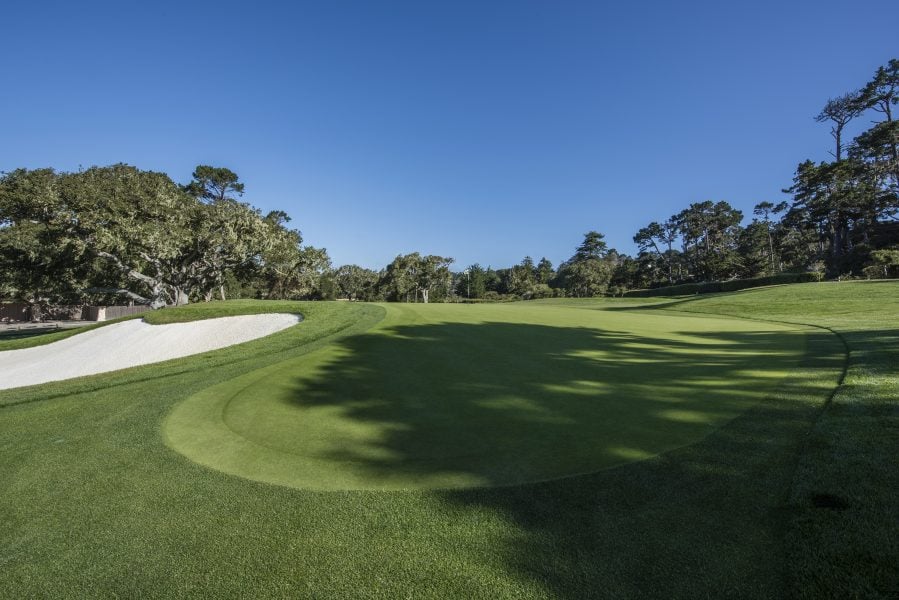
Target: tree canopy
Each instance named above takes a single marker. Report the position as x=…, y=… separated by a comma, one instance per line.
x=120, y=232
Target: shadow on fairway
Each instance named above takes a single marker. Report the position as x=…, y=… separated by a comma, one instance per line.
x=706, y=520
x=706, y=517
x=505, y=403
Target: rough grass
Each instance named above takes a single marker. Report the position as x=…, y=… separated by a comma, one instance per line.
x=94, y=504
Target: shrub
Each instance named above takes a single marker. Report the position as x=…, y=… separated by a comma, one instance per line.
x=733, y=285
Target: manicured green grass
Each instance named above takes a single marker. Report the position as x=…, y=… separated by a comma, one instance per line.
x=29, y=338
x=439, y=396
x=852, y=452
x=96, y=504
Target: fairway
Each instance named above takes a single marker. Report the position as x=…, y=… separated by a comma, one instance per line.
x=454, y=396
x=703, y=436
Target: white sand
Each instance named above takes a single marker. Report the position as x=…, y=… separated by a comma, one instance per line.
x=130, y=344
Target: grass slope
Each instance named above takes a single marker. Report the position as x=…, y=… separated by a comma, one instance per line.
x=94, y=504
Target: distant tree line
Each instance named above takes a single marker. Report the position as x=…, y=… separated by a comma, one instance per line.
x=417, y=278
x=111, y=233
x=840, y=222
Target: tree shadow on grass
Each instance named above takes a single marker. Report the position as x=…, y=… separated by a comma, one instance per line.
x=503, y=403
x=452, y=404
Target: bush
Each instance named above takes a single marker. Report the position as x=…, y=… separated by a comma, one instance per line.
x=733, y=285
x=540, y=290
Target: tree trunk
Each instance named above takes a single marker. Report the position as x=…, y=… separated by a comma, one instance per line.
x=424, y=295
x=838, y=135
x=222, y=291
x=770, y=247
x=837, y=249
x=155, y=284
x=180, y=297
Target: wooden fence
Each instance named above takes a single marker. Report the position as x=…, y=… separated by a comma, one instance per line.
x=13, y=312
x=114, y=312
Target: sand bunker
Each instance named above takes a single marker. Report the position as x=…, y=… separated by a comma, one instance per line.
x=130, y=344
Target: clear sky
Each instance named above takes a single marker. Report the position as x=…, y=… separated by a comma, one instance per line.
x=481, y=130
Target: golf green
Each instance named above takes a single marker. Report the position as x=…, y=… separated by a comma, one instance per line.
x=450, y=396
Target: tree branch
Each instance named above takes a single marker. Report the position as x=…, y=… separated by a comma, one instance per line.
x=120, y=291
x=128, y=270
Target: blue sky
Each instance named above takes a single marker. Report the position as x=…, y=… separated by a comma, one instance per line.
x=485, y=131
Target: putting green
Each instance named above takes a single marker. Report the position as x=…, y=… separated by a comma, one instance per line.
x=448, y=396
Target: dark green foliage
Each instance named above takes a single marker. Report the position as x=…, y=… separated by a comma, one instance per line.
x=753, y=248
x=545, y=271
x=588, y=272
x=114, y=232
x=472, y=283
x=733, y=285
x=214, y=184
x=353, y=282
x=709, y=231
x=416, y=278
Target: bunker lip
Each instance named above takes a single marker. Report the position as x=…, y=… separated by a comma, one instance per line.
x=131, y=344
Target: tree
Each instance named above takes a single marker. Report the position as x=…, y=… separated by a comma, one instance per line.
x=412, y=275
x=41, y=258
x=105, y=230
x=398, y=279
x=433, y=274
x=882, y=142
x=709, y=232
x=882, y=92
x=587, y=273
x=593, y=247
x=214, y=184
x=231, y=235
x=473, y=282
x=884, y=263
x=122, y=231
x=753, y=248
x=839, y=200
x=492, y=280
x=649, y=238
x=522, y=277
x=764, y=210
x=545, y=271
x=840, y=111
x=292, y=271
x=355, y=283
x=628, y=275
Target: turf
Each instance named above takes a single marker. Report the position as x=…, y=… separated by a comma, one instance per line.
x=514, y=393
x=95, y=504
x=19, y=339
